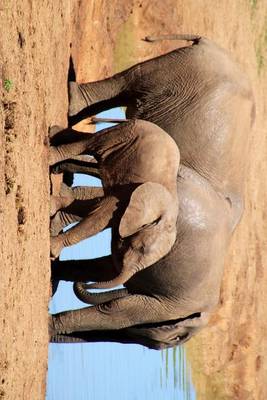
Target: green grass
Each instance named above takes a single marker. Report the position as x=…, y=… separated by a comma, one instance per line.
x=125, y=47
x=8, y=84
x=253, y=4
x=261, y=49
x=260, y=58
x=261, y=42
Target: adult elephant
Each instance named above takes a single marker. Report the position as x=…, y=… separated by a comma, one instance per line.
x=202, y=99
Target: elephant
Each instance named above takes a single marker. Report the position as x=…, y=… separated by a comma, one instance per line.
x=202, y=99
x=153, y=336
x=138, y=164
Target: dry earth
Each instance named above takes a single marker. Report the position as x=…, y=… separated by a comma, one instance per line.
x=229, y=358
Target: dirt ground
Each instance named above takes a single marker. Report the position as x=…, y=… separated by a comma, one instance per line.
x=228, y=358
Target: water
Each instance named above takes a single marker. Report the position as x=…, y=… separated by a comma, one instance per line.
x=107, y=371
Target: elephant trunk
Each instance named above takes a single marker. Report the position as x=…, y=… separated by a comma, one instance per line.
x=123, y=277
x=79, y=289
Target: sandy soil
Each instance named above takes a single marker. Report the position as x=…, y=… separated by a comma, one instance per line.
x=33, y=64
x=229, y=358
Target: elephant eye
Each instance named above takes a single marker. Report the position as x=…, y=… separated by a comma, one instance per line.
x=151, y=223
x=182, y=337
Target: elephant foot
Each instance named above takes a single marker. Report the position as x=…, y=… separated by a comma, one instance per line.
x=56, y=245
x=51, y=329
x=77, y=101
x=65, y=198
x=56, y=225
x=56, y=326
x=53, y=156
x=67, y=339
x=55, y=205
x=66, y=191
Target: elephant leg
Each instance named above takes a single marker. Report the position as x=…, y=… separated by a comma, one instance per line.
x=130, y=88
x=114, y=336
x=116, y=314
x=151, y=338
x=108, y=140
x=95, y=270
x=81, y=164
x=97, y=220
x=74, y=209
x=122, y=336
x=59, y=202
x=69, y=195
x=82, y=271
x=60, y=220
x=87, y=192
x=104, y=94
x=63, y=200
x=59, y=135
x=66, y=150
x=77, y=167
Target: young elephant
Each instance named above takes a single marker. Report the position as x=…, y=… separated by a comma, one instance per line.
x=138, y=164
x=202, y=99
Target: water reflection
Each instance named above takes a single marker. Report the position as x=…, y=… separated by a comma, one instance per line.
x=108, y=371
x=175, y=372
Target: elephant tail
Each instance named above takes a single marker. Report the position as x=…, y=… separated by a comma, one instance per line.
x=189, y=37
x=96, y=120
x=80, y=291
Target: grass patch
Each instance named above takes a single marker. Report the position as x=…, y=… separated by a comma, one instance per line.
x=253, y=4
x=125, y=51
x=261, y=48
x=260, y=58
x=208, y=387
x=8, y=84
x=260, y=34
x=125, y=47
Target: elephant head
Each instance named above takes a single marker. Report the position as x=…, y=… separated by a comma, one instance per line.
x=147, y=232
x=171, y=333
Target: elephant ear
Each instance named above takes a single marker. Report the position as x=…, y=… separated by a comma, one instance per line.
x=147, y=204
